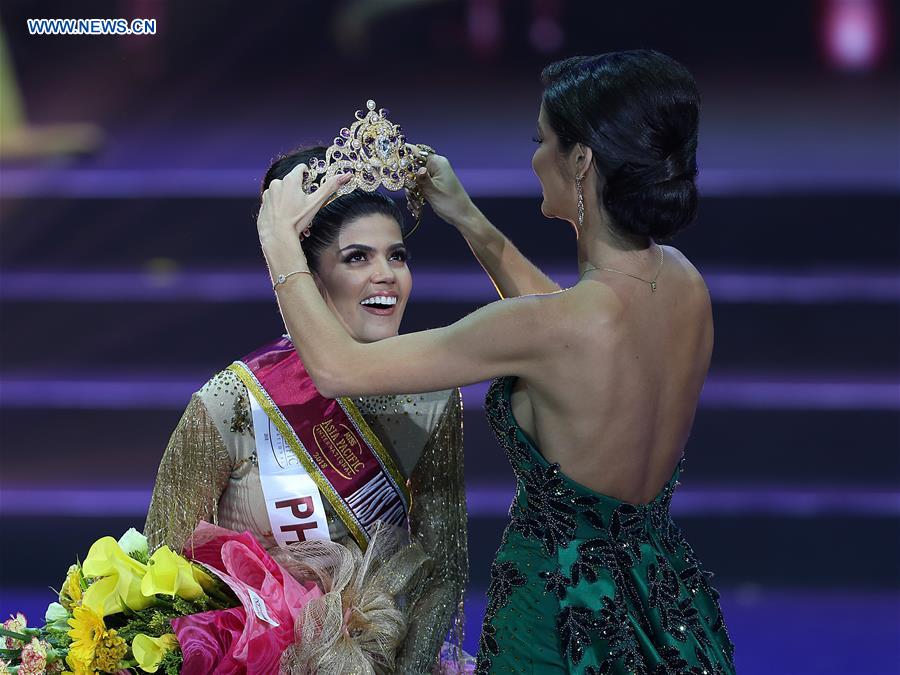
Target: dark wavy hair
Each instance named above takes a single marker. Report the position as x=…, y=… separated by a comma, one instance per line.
x=327, y=223
x=639, y=113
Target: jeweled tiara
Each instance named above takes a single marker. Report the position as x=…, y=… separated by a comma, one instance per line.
x=375, y=151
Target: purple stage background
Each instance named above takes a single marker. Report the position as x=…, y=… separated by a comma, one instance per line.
x=130, y=269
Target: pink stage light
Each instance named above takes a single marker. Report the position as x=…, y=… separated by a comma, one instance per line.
x=854, y=33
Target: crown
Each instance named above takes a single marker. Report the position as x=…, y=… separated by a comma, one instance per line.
x=375, y=152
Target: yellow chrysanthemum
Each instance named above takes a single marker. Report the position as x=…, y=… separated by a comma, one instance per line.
x=78, y=667
x=71, y=591
x=110, y=650
x=94, y=647
x=87, y=631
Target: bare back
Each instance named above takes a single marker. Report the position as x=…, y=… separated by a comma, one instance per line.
x=615, y=401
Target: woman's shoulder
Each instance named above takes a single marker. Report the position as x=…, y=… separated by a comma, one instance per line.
x=406, y=422
x=423, y=409
x=224, y=380
x=685, y=268
x=697, y=303
x=440, y=398
x=223, y=387
x=227, y=400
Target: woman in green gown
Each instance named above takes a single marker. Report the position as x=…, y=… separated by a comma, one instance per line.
x=594, y=388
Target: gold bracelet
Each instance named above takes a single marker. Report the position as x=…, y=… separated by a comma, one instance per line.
x=281, y=278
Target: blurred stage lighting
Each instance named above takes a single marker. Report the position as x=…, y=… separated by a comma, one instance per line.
x=854, y=33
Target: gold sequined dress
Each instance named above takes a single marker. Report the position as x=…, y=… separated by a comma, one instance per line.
x=209, y=472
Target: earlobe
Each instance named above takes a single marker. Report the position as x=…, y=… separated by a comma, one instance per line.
x=583, y=160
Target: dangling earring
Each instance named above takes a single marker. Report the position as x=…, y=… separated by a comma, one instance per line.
x=580, y=192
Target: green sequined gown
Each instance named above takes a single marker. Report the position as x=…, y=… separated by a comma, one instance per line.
x=585, y=583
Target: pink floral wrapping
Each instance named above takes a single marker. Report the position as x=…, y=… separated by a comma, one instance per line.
x=252, y=637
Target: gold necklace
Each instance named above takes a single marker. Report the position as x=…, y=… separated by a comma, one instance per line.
x=609, y=269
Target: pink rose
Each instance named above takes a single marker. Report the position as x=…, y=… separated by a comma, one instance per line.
x=205, y=546
x=206, y=641
x=251, y=640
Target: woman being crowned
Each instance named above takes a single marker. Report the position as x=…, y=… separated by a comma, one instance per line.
x=316, y=479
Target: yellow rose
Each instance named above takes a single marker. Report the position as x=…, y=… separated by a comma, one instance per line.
x=170, y=574
x=149, y=651
x=120, y=580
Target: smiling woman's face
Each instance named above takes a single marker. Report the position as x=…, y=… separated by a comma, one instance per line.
x=367, y=259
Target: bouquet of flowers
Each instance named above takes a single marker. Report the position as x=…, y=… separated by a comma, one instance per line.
x=225, y=606
x=122, y=609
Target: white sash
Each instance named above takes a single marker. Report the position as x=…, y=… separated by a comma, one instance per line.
x=293, y=500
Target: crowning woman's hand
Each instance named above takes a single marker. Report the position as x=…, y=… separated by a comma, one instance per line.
x=442, y=189
x=511, y=272
x=286, y=214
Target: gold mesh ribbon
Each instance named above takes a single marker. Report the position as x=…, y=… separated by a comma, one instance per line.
x=357, y=626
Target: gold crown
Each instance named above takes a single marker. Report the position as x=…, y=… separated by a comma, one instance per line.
x=375, y=152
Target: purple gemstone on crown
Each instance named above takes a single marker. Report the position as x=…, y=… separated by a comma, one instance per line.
x=345, y=133
x=338, y=154
x=339, y=142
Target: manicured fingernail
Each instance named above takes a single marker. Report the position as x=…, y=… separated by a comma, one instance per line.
x=422, y=171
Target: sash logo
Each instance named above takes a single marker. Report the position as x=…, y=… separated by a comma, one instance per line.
x=339, y=447
x=283, y=455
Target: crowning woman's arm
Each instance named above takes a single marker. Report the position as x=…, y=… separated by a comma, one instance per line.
x=438, y=523
x=193, y=473
x=510, y=271
x=508, y=337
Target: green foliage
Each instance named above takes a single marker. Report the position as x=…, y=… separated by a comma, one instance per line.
x=185, y=607
x=171, y=662
x=140, y=556
x=153, y=622
x=60, y=641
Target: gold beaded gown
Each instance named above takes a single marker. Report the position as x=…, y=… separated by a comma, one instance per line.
x=209, y=472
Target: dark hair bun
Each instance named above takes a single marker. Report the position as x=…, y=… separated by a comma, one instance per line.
x=639, y=113
x=658, y=200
